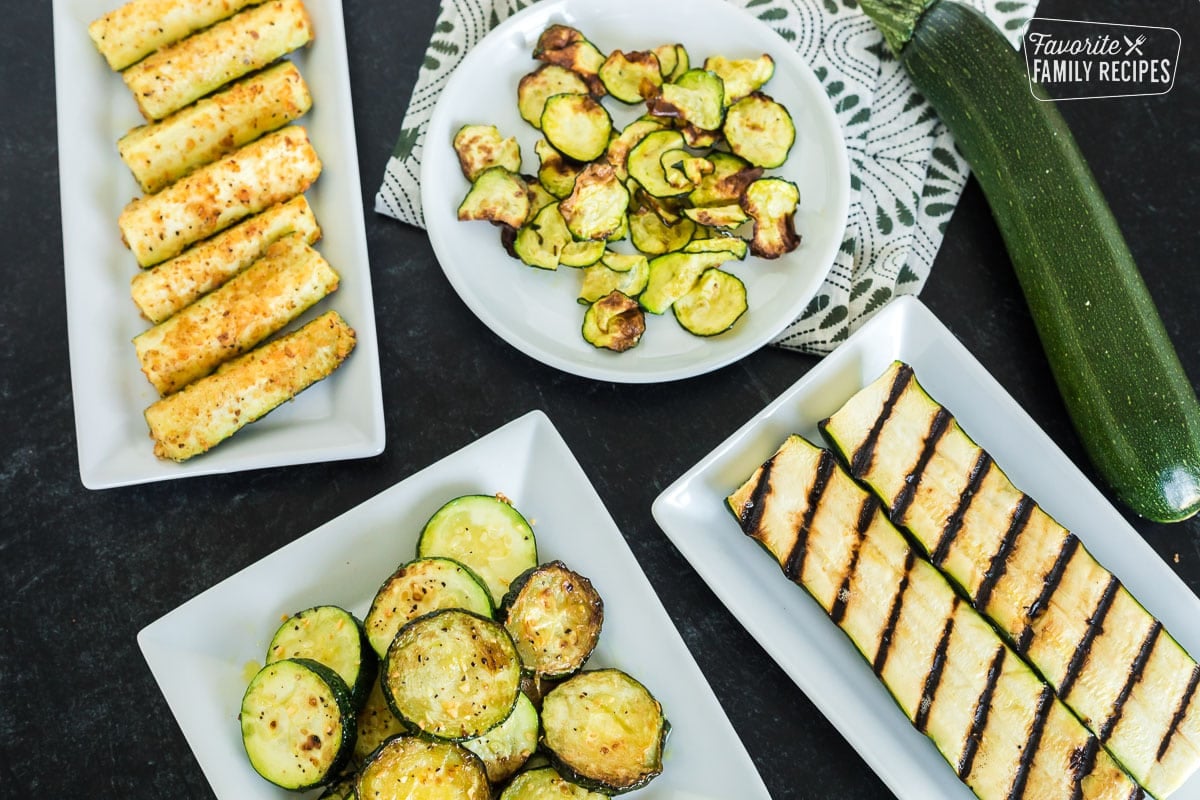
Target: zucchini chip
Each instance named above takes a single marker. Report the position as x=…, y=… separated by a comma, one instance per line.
x=728, y=217
x=545, y=81
x=376, y=723
x=673, y=61
x=570, y=49
x=576, y=125
x=582, y=254
x=556, y=172
x=452, y=674
x=772, y=203
x=332, y=636
x=541, y=242
x=646, y=167
x=554, y=616
x=545, y=782
x=487, y=534
x=654, y=237
x=620, y=145
x=505, y=748
x=673, y=275
x=631, y=77
x=604, y=731
x=614, y=322
x=596, y=207
x=734, y=245
x=482, y=146
x=498, y=195
x=726, y=183
x=713, y=305
x=298, y=724
x=419, y=587
x=408, y=767
x=759, y=130
x=605, y=277
x=697, y=97
x=741, y=76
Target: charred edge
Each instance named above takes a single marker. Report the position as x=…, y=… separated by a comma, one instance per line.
x=865, y=514
x=1180, y=712
x=941, y=421
x=794, y=565
x=934, y=677
x=1095, y=626
x=999, y=563
x=750, y=514
x=1040, y=716
x=1135, y=677
x=861, y=460
x=983, y=465
x=885, y=639
x=1049, y=584
x=1083, y=761
x=971, y=746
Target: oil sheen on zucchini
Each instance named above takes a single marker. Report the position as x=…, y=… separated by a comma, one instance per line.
x=993, y=719
x=1108, y=658
x=1127, y=393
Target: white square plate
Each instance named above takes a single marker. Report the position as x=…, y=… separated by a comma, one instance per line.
x=198, y=652
x=535, y=310
x=796, y=631
x=339, y=418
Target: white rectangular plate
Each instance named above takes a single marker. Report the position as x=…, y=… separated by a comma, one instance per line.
x=339, y=418
x=198, y=652
x=796, y=631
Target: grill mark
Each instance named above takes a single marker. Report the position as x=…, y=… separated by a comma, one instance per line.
x=793, y=566
x=999, y=562
x=861, y=459
x=934, y=677
x=982, y=708
x=1041, y=715
x=1049, y=584
x=954, y=522
x=904, y=498
x=1083, y=761
x=865, y=514
x=1135, y=677
x=1095, y=626
x=1180, y=711
x=885, y=639
x=750, y=514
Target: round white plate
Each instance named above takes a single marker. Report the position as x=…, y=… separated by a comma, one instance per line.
x=536, y=310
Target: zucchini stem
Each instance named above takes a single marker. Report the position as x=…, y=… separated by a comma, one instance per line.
x=897, y=19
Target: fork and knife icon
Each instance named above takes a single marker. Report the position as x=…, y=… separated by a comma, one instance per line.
x=1134, y=46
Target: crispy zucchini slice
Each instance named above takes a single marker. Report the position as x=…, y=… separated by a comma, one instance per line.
x=547, y=80
x=332, y=636
x=614, y=322
x=772, y=203
x=673, y=60
x=497, y=195
x=631, y=77
x=697, y=97
x=759, y=130
x=505, y=748
x=556, y=172
x=452, y=674
x=741, y=76
x=605, y=277
x=576, y=125
x=713, y=305
x=297, y=723
x=654, y=237
x=673, y=275
x=619, y=146
x=605, y=731
x=683, y=169
x=736, y=246
x=433, y=770
x=596, y=207
x=480, y=147
x=376, y=723
x=726, y=183
x=541, y=242
x=728, y=216
x=554, y=615
x=569, y=48
x=582, y=254
x=645, y=165
x=486, y=533
x=544, y=783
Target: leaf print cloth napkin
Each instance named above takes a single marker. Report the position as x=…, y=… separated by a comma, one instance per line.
x=906, y=174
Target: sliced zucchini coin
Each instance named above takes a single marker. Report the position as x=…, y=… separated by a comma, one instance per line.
x=654, y=237
x=631, y=77
x=576, y=125
x=759, y=130
x=603, y=278
x=556, y=172
x=596, y=206
x=620, y=145
x=727, y=182
x=728, y=216
x=408, y=768
x=673, y=61
x=487, y=534
x=644, y=163
x=697, y=97
x=418, y=587
x=497, y=195
x=482, y=146
x=614, y=322
x=741, y=76
x=539, y=196
x=604, y=731
x=376, y=723
x=721, y=241
x=540, y=243
x=582, y=254
x=554, y=616
x=673, y=275
x=298, y=724
x=772, y=203
x=683, y=169
x=452, y=675
x=505, y=748
x=331, y=636
x=544, y=783
x=569, y=48
x=713, y=305
x=545, y=81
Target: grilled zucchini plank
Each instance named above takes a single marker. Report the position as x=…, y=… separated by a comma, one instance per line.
x=212, y=409
x=280, y=286
x=998, y=724
x=272, y=169
x=1105, y=655
x=178, y=75
x=161, y=152
x=138, y=28
x=166, y=288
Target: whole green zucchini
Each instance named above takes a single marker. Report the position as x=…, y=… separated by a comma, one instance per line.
x=1120, y=377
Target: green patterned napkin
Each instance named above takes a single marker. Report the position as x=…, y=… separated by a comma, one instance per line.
x=906, y=174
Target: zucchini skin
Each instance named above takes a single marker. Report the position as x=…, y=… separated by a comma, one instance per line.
x=1119, y=375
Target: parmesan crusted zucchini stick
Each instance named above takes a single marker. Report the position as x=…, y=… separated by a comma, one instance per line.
x=186, y=71
x=277, y=167
x=162, y=152
x=210, y=410
x=162, y=290
x=140, y=27
x=225, y=323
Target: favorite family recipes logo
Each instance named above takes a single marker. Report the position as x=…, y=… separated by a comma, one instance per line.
x=1073, y=60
